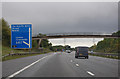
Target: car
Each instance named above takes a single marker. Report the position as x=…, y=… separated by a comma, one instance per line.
x=91, y=51
x=68, y=51
x=81, y=51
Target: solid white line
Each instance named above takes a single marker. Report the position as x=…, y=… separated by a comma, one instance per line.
x=25, y=68
x=90, y=73
x=77, y=64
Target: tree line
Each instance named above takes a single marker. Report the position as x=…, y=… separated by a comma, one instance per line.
x=5, y=33
x=108, y=45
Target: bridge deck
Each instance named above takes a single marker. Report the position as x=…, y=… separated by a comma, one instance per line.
x=75, y=36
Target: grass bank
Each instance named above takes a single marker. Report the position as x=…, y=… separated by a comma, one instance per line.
x=33, y=52
x=113, y=57
x=18, y=56
x=7, y=50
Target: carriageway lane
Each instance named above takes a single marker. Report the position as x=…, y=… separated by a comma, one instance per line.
x=55, y=65
x=100, y=66
x=11, y=66
x=65, y=65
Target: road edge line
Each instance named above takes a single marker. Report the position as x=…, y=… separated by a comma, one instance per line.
x=14, y=74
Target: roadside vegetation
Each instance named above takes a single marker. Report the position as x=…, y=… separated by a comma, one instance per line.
x=60, y=48
x=19, y=56
x=105, y=56
x=108, y=45
x=45, y=45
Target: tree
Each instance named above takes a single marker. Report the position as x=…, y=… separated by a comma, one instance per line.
x=93, y=47
x=109, y=45
x=117, y=33
x=58, y=48
x=34, y=44
x=0, y=29
x=44, y=42
x=5, y=33
x=67, y=47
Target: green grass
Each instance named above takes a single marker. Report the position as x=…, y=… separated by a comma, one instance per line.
x=18, y=56
x=102, y=51
x=7, y=50
x=0, y=51
x=105, y=56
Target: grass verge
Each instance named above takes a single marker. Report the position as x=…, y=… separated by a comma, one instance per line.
x=8, y=50
x=113, y=57
x=18, y=56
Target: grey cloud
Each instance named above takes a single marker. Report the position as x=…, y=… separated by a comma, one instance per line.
x=64, y=17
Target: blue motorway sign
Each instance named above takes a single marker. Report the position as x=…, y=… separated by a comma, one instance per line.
x=21, y=36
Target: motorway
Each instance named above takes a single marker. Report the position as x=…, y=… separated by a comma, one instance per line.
x=60, y=64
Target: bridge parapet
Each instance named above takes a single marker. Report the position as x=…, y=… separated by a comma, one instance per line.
x=78, y=33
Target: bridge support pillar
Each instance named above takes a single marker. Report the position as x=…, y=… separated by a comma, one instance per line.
x=39, y=42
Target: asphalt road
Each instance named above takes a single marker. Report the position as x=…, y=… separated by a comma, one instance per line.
x=60, y=64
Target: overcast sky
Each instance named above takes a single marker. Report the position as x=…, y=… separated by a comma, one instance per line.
x=52, y=17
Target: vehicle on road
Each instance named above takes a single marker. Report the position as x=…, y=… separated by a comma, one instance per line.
x=81, y=51
x=91, y=51
x=68, y=51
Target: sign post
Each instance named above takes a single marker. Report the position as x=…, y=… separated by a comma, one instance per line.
x=21, y=36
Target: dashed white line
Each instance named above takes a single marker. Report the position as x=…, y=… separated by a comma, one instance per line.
x=25, y=68
x=90, y=73
x=77, y=65
x=71, y=60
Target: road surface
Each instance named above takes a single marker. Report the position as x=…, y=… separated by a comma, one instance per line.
x=60, y=64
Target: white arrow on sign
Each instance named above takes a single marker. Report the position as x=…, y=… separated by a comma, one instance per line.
x=29, y=40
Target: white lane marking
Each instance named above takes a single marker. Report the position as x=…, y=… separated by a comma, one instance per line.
x=77, y=64
x=25, y=68
x=90, y=73
x=71, y=60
